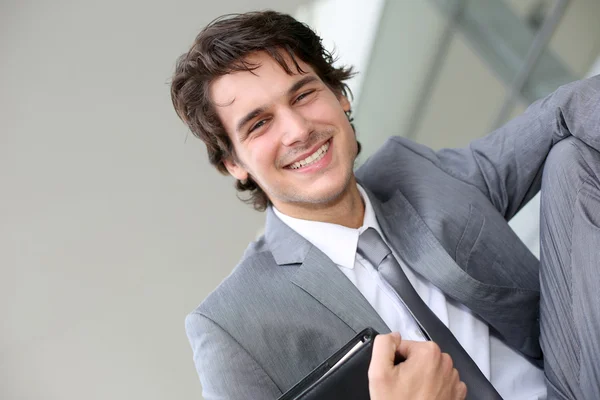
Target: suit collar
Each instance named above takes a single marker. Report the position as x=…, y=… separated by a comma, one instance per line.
x=406, y=232
x=511, y=312
x=286, y=245
x=320, y=277
x=289, y=247
x=338, y=242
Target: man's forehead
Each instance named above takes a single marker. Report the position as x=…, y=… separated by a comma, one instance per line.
x=266, y=80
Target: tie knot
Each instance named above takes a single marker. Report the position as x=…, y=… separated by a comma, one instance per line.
x=372, y=247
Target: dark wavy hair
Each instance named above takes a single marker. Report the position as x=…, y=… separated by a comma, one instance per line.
x=222, y=47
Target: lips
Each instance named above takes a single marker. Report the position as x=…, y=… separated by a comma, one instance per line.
x=313, y=158
x=310, y=158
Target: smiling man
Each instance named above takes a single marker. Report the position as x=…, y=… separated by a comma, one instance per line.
x=292, y=136
x=414, y=241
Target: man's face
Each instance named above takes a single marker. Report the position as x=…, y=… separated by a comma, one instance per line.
x=289, y=132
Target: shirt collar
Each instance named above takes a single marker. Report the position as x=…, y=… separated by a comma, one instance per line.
x=337, y=242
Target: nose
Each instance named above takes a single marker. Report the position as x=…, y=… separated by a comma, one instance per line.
x=295, y=127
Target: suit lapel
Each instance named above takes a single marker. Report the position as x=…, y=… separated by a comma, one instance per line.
x=318, y=276
x=511, y=311
x=322, y=279
x=416, y=245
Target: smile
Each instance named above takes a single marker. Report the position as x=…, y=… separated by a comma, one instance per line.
x=313, y=158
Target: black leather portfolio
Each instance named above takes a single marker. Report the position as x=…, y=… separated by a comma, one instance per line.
x=341, y=376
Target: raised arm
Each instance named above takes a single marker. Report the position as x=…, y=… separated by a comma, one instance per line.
x=507, y=164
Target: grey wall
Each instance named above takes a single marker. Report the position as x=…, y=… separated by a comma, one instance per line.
x=112, y=224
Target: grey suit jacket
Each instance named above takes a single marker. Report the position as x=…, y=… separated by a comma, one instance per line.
x=286, y=307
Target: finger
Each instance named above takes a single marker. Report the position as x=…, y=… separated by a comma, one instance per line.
x=408, y=347
x=385, y=348
x=461, y=391
x=455, y=375
x=447, y=364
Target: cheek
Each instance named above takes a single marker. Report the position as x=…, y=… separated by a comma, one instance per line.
x=328, y=111
x=264, y=153
x=324, y=109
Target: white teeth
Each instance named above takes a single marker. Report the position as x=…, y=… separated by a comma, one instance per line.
x=316, y=156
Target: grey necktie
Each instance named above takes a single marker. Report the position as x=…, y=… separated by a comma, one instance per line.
x=372, y=247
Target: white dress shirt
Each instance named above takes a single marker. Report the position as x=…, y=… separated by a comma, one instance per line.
x=509, y=372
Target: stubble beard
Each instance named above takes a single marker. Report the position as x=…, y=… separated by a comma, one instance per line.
x=310, y=201
x=306, y=200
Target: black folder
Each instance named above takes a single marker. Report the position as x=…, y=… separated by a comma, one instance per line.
x=341, y=376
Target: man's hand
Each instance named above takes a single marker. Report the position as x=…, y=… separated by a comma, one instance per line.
x=426, y=374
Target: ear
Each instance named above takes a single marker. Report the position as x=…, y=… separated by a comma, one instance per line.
x=236, y=170
x=345, y=103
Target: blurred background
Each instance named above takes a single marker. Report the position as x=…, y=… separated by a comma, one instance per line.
x=113, y=226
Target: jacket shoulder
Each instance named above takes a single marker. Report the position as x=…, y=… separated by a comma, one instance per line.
x=253, y=265
x=398, y=161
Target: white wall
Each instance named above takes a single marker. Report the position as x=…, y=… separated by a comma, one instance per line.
x=112, y=224
x=349, y=28
x=404, y=49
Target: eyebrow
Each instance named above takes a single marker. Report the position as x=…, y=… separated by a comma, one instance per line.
x=257, y=111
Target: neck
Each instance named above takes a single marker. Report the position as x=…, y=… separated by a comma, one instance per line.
x=347, y=210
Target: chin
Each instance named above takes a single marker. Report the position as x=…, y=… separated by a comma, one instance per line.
x=329, y=192
x=325, y=190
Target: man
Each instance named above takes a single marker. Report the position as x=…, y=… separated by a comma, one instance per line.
x=262, y=93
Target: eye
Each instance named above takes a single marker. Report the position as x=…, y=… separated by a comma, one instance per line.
x=257, y=125
x=303, y=96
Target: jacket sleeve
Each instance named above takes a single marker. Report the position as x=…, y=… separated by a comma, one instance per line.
x=507, y=164
x=227, y=371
